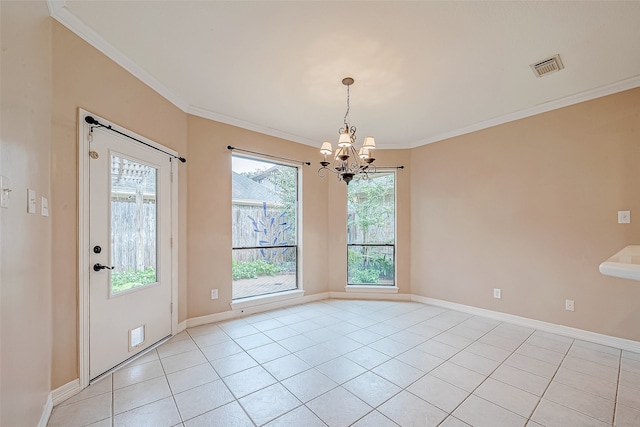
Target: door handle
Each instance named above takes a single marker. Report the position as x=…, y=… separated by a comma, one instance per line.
x=98, y=267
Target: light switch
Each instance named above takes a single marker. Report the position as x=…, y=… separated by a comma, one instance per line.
x=31, y=201
x=5, y=191
x=44, y=206
x=624, y=217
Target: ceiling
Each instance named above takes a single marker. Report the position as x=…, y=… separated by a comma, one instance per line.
x=424, y=70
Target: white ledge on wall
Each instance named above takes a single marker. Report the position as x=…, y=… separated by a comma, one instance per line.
x=371, y=289
x=625, y=264
x=266, y=299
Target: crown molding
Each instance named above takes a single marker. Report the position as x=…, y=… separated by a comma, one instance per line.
x=587, y=95
x=217, y=117
x=59, y=11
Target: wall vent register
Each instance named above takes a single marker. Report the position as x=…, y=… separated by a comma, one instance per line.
x=547, y=66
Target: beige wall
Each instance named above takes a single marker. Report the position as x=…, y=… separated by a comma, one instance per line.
x=531, y=207
x=209, y=211
x=25, y=277
x=85, y=78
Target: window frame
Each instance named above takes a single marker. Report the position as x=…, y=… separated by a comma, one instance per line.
x=247, y=301
x=387, y=287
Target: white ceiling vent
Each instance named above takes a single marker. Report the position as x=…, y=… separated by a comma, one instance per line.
x=547, y=66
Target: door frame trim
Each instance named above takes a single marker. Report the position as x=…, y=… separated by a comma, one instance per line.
x=83, y=239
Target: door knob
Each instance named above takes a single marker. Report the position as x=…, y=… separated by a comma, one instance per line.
x=98, y=267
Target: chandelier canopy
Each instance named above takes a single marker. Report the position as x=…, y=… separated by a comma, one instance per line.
x=348, y=160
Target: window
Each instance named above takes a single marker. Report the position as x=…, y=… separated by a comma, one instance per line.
x=371, y=230
x=265, y=222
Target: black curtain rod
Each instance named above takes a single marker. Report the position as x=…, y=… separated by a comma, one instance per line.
x=93, y=122
x=230, y=148
x=389, y=167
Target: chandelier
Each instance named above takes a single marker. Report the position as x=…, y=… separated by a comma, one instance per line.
x=348, y=160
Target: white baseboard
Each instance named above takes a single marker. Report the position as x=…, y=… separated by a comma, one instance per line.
x=370, y=296
x=46, y=412
x=232, y=314
x=66, y=391
x=56, y=396
x=181, y=327
x=568, y=331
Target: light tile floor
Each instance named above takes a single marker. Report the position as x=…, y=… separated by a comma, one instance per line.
x=365, y=363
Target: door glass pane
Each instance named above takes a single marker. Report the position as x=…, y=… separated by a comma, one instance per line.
x=133, y=224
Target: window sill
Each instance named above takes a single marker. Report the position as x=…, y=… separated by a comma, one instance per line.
x=372, y=289
x=266, y=299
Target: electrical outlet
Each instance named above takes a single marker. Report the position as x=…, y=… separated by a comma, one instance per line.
x=214, y=294
x=497, y=293
x=568, y=305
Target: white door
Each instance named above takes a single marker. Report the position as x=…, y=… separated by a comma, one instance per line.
x=130, y=249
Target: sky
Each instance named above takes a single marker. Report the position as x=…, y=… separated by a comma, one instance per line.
x=241, y=164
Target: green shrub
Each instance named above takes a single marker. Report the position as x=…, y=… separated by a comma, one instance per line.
x=366, y=276
x=385, y=266
x=253, y=269
x=123, y=280
x=353, y=257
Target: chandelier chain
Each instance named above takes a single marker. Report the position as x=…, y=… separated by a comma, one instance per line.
x=346, y=123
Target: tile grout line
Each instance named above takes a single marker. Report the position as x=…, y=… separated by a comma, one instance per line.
x=237, y=399
x=367, y=370
x=615, y=402
x=427, y=372
x=573, y=409
x=550, y=381
x=173, y=397
x=338, y=385
x=488, y=376
x=113, y=404
x=449, y=414
x=583, y=373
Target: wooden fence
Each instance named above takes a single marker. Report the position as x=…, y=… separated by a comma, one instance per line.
x=245, y=235
x=133, y=234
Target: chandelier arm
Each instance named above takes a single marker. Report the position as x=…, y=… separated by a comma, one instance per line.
x=322, y=172
x=355, y=166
